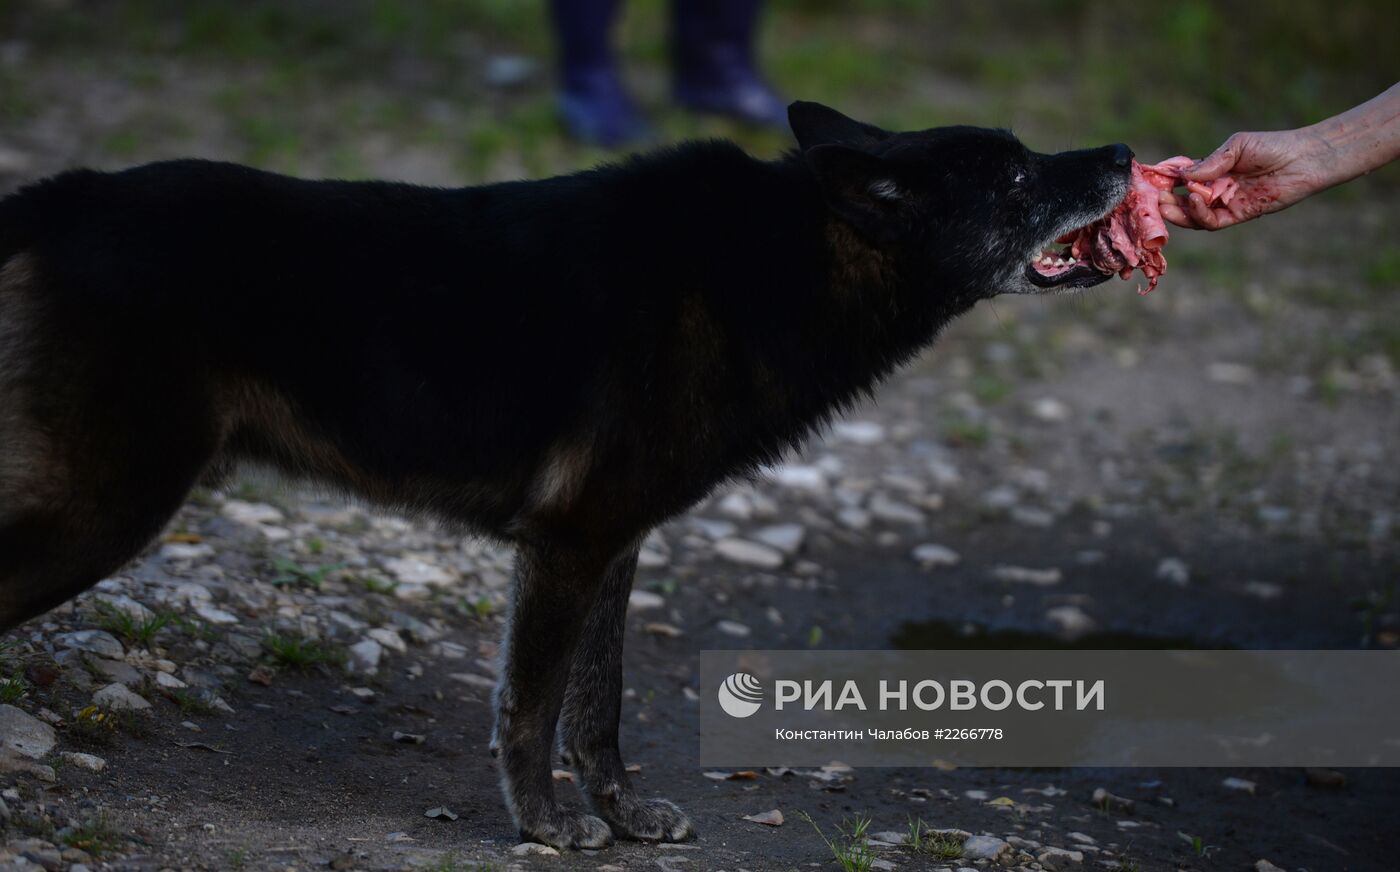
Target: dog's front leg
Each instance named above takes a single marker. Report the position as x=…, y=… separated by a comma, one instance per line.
x=592, y=710
x=554, y=592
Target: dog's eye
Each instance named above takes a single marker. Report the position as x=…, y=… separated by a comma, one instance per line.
x=1020, y=177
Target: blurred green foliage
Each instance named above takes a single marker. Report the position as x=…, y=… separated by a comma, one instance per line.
x=1173, y=76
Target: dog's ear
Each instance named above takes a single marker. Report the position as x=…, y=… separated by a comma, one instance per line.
x=862, y=188
x=814, y=124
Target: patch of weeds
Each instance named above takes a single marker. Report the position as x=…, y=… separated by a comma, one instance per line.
x=942, y=846
x=1127, y=865
x=850, y=848
x=133, y=628
x=191, y=702
x=14, y=688
x=93, y=727
x=482, y=607
x=95, y=836
x=814, y=636
x=1198, y=844
x=198, y=630
x=237, y=858
x=961, y=431
x=300, y=653
x=990, y=389
x=375, y=584
x=291, y=572
x=1385, y=268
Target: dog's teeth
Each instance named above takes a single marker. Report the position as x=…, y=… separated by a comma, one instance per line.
x=1059, y=261
x=1071, y=261
x=1045, y=261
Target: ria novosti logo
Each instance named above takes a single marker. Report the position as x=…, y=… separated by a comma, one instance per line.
x=740, y=695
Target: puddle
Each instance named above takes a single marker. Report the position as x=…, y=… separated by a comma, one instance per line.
x=950, y=635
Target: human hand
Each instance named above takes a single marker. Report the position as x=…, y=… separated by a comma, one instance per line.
x=1274, y=171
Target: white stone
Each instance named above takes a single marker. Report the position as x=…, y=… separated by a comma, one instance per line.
x=1059, y=858
x=416, y=570
x=1024, y=575
x=186, y=551
x=98, y=642
x=215, y=615
x=799, y=478
x=787, y=538
x=1174, y=570
x=364, y=657
x=1243, y=785
x=747, y=553
x=90, y=762
x=251, y=514
x=1071, y=621
x=117, y=698
x=389, y=639
x=714, y=529
x=649, y=558
x=24, y=734
x=525, y=849
x=933, y=556
x=168, y=681
x=642, y=600
x=736, y=505
x=733, y=628
x=1050, y=410
x=854, y=518
x=983, y=848
x=858, y=432
x=127, y=606
x=893, y=511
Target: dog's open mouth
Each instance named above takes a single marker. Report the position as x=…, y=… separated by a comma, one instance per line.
x=1055, y=266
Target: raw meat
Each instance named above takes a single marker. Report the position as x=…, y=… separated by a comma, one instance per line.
x=1132, y=236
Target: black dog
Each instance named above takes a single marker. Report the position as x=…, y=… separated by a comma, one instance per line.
x=563, y=364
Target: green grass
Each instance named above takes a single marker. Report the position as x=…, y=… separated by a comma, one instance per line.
x=961, y=431
x=191, y=702
x=290, y=572
x=300, y=653
x=849, y=847
x=134, y=629
x=1384, y=269
x=14, y=688
x=95, y=836
x=375, y=584
x=940, y=846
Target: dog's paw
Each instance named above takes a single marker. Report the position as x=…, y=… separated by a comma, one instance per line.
x=566, y=829
x=650, y=820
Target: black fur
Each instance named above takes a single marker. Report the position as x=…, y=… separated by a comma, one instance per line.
x=562, y=363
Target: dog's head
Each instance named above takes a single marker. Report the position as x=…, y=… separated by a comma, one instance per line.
x=968, y=209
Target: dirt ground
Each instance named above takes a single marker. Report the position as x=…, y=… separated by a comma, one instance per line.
x=1207, y=466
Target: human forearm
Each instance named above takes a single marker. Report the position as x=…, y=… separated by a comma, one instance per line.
x=1361, y=139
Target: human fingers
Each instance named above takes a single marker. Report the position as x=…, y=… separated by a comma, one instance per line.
x=1178, y=216
x=1206, y=217
x=1218, y=163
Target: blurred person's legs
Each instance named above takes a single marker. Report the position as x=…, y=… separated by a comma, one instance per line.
x=715, y=70
x=592, y=99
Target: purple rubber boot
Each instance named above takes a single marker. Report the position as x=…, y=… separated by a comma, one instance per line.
x=715, y=72
x=592, y=100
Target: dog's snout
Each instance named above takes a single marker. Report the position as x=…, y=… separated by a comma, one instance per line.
x=1121, y=155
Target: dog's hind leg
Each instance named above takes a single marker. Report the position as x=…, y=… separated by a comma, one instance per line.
x=592, y=711
x=99, y=444
x=555, y=588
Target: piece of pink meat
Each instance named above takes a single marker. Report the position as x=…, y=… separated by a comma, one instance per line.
x=1131, y=237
